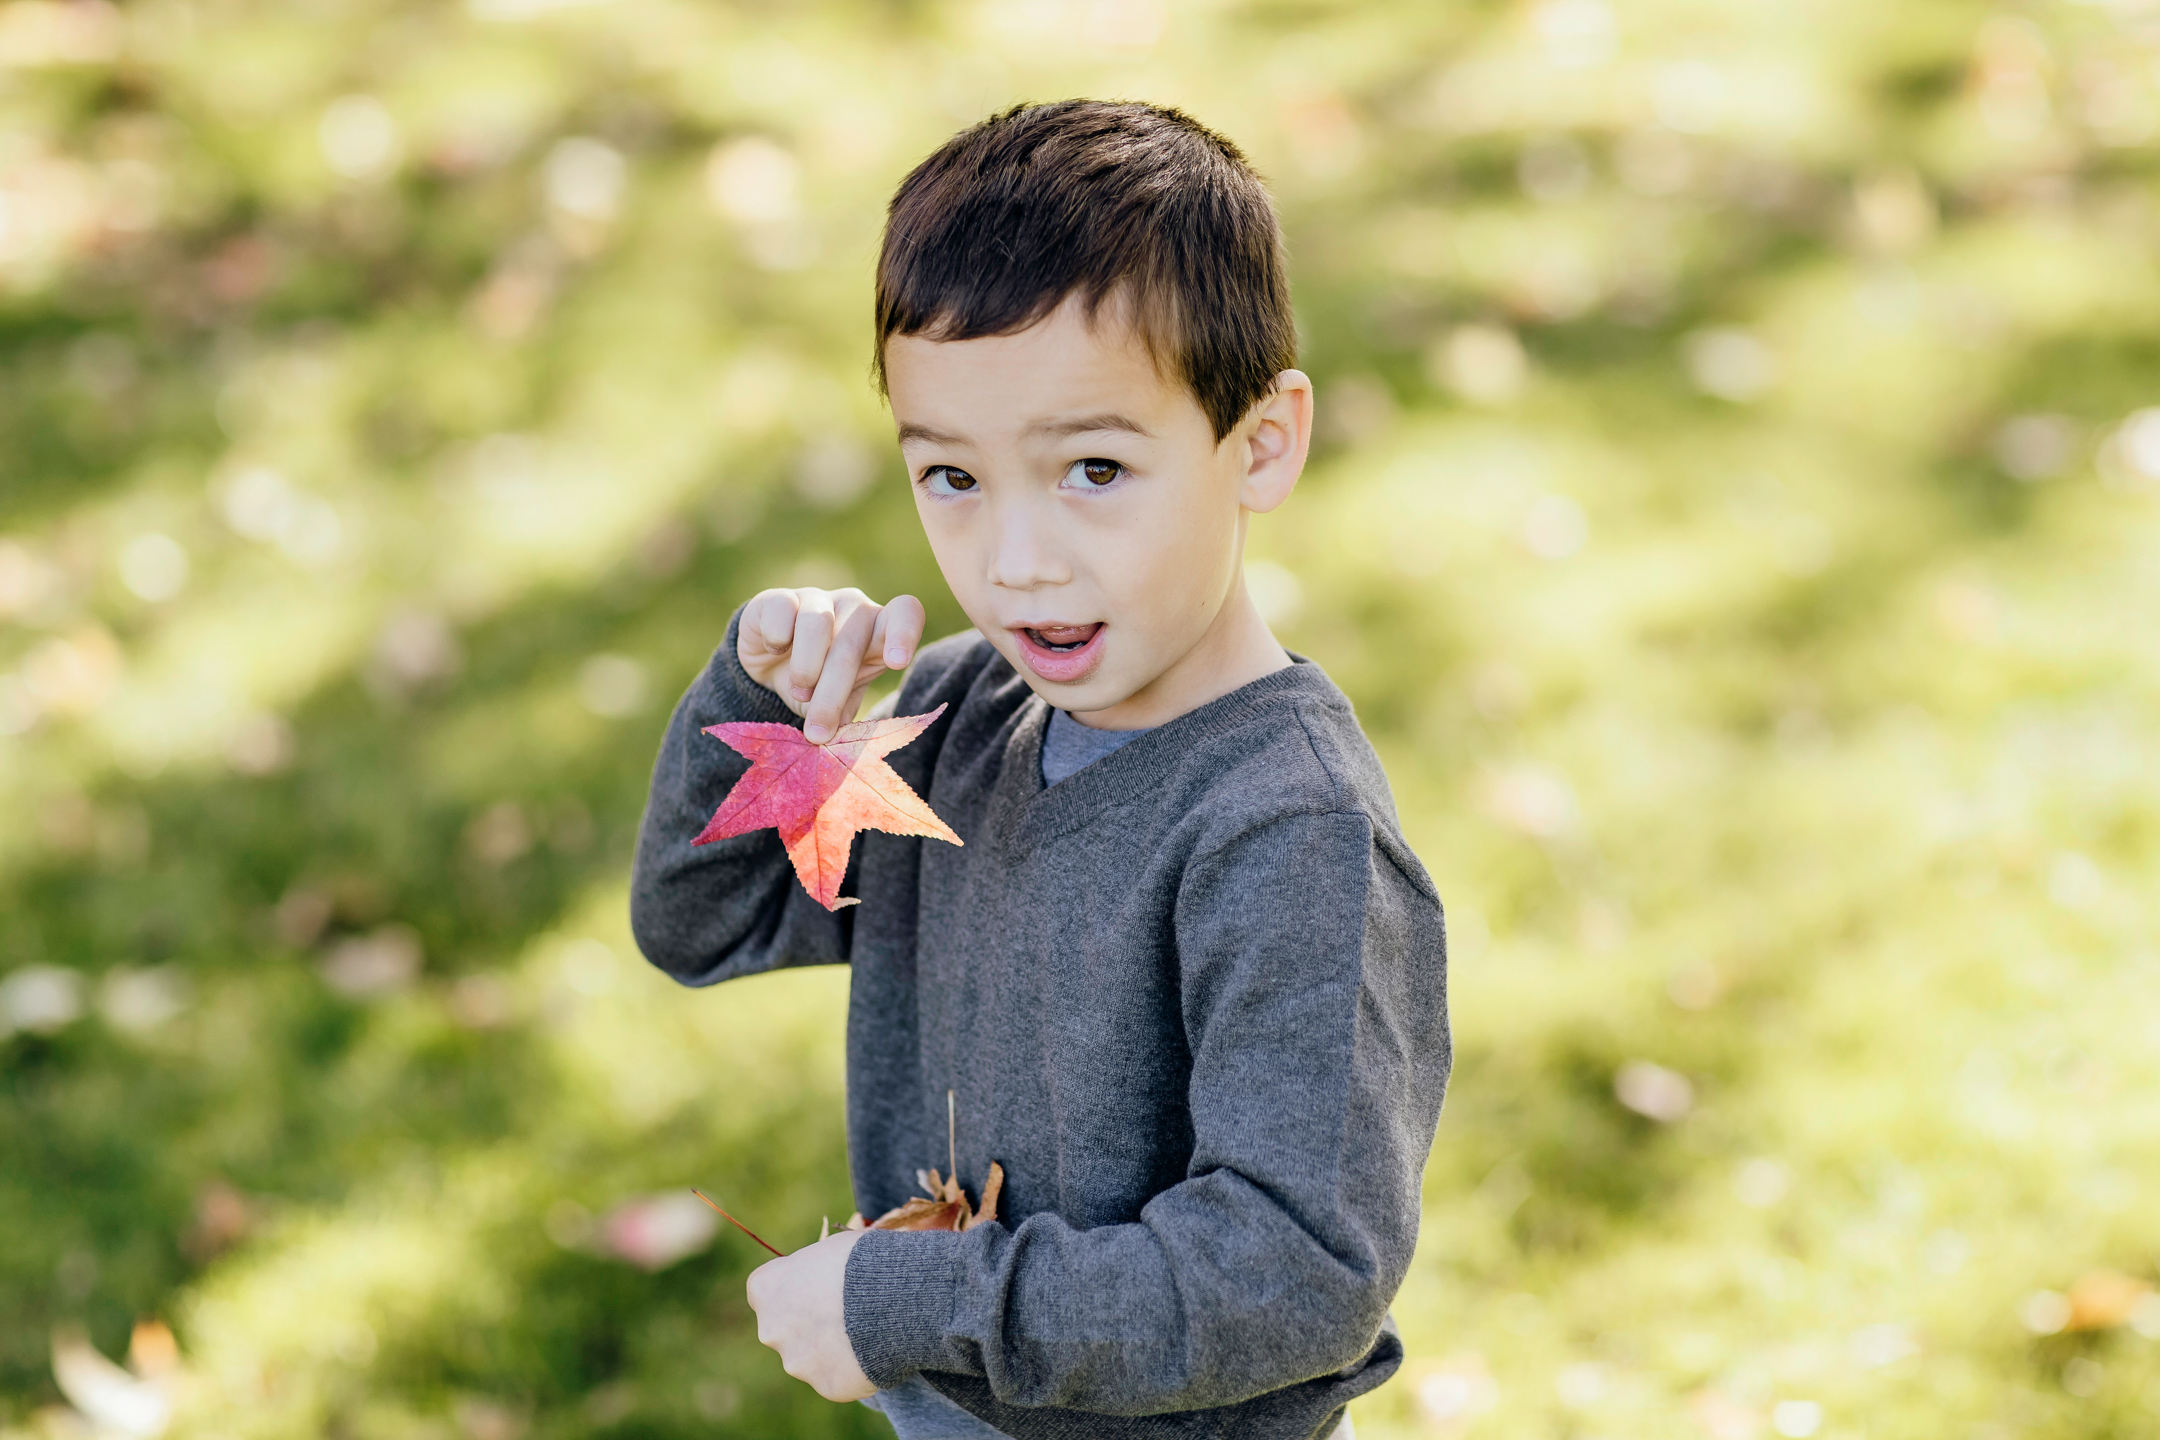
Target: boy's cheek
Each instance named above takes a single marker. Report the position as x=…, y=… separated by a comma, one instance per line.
x=951, y=553
x=964, y=579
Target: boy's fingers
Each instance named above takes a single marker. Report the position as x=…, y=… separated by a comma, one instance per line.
x=812, y=638
x=843, y=658
x=773, y=621
x=899, y=631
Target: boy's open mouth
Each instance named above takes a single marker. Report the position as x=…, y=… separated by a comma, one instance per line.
x=1061, y=654
x=1062, y=638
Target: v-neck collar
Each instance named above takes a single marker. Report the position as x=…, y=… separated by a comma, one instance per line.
x=1023, y=812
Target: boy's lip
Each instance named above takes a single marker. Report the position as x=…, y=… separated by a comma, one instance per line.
x=1061, y=666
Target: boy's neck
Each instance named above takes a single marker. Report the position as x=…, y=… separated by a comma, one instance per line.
x=1232, y=653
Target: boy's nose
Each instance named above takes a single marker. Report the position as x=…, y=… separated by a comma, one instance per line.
x=1024, y=553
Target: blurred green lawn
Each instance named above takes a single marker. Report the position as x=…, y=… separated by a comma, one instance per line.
x=1736, y=521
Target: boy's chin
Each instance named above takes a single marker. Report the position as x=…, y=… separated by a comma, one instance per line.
x=1087, y=695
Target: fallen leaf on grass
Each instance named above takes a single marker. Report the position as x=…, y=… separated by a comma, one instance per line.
x=818, y=796
x=655, y=1231
x=1722, y=1417
x=113, y=1400
x=2104, y=1299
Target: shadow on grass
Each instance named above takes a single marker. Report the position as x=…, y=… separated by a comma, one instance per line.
x=272, y=1088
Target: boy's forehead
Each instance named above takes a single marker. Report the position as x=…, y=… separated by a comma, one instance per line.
x=1063, y=368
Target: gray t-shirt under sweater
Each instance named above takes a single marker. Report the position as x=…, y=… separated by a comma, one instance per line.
x=1192, y=997
x=1070, y=747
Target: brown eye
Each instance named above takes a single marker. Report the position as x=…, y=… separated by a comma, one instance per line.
x=1101, y=472
x=945, y=480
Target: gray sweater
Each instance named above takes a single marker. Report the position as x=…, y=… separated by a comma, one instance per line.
x=1193, y=998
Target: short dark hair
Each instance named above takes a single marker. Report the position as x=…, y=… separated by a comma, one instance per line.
x=1099, y=199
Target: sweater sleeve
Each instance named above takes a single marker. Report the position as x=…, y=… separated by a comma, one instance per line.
x=1313, y=985
x=707, y=913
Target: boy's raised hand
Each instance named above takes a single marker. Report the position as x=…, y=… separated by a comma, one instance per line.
x=818, y=650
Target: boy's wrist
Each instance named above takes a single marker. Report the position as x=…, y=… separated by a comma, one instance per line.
x=898, y=1299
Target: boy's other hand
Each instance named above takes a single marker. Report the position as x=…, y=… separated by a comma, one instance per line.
x=818, y=650
x=799, y=1313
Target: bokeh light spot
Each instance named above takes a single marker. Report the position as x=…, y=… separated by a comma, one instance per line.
x=154, y=567
x=1654, y=1092
x=1729, y=363
x=359, y=138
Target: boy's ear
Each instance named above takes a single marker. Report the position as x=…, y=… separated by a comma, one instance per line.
x=1277, y=435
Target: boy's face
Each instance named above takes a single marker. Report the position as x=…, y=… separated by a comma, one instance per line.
x=1084, y=514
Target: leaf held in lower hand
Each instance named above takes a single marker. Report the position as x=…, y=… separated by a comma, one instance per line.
x=818, y=796
x=946, y=1209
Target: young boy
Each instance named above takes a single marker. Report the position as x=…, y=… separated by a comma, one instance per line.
x=1184, y=978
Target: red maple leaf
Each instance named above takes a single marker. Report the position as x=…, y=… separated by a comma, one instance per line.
x=820, y=795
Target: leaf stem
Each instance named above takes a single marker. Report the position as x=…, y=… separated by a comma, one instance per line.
x=733, y=1221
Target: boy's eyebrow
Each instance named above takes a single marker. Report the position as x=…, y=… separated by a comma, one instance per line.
x=1055, y=429
x=1086, y=424
x=909, y=430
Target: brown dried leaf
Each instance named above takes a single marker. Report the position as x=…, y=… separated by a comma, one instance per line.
x=921, y=1214
x=991, y=1188
x=947, y=1208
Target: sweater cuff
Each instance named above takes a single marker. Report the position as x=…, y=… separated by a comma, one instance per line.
x=897, y=1299
x=743, y=698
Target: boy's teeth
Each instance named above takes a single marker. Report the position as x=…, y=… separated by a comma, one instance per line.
x=1062, y=637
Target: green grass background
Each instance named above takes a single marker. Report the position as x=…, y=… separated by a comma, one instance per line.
x=1734, y=520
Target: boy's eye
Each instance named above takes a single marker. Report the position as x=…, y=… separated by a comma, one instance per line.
x=946, y=480
x=1093, y=474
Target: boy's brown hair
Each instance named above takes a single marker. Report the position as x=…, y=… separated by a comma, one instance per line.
x=1107, y=200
